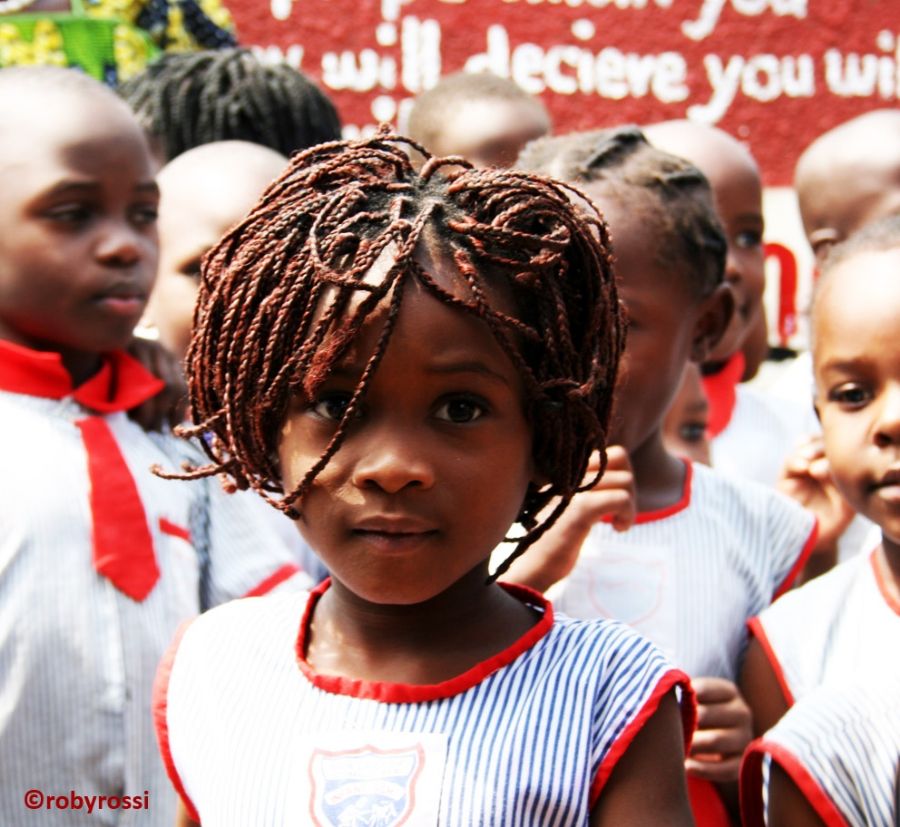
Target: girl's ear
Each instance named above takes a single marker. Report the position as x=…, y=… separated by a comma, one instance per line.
x=713, y=319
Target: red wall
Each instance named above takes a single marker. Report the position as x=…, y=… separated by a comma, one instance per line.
x=773, y=72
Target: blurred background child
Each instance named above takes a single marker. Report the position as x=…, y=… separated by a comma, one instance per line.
x=704, y=550
x=827, y=646
x=185, y=100
x=99, y=559
x=482, y=117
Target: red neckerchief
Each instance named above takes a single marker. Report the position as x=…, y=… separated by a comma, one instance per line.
x=123, y=544
x=721, y=391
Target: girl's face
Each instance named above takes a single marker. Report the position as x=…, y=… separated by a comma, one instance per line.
x=433, y=471
x=857, y=370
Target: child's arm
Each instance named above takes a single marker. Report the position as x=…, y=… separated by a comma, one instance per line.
x=806, y=478
x=762, y=690
x=647, y=786
x=182, y=819
x=552, y=557
x=788, y=807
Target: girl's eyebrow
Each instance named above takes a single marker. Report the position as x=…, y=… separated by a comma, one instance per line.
x=473, y=366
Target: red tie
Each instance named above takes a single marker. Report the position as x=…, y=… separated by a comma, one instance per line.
x=123, y=544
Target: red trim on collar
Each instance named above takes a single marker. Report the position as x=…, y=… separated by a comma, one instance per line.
x=402, y=693
x=891, y=601
x=670, y=510
x=121, y=383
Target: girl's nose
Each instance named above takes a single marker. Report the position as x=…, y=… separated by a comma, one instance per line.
x=887, y=425
x=392, y=463
x=121, y=245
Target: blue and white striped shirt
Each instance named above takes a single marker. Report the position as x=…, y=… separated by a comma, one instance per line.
x=252, y=735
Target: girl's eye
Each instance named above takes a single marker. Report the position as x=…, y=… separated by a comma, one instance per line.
x=144, y=214
x=748, y=239
x=69, y=213
x=332, y=407
x=692, y=431
x=850, y=396
x=460, y=411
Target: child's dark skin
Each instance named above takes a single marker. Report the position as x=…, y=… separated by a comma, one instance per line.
x=857, y=399
x=78, y=252
x=442, y=433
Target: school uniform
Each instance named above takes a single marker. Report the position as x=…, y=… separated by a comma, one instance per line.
x=689, y=576
x=252, y=734
x=842, y=623
x=840, y=745
x=98, y=567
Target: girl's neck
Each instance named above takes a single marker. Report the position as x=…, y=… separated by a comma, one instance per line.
x=658, y=475
x=80, y=365
x=419, y=644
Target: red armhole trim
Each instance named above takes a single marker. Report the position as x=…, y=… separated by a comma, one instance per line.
x=402, y=693
x=882, y=586
x=670, y=679
x=168, y=527
x=275, y=579
x=160, y=706
x=805, y=553
x=751, y=785
x=756, y=629
x=669, y=510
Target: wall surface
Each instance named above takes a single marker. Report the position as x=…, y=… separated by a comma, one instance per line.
x=775, y=73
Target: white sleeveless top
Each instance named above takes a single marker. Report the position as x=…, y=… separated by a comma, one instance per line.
x=841, y=747
x=251, y=735
x=841, y=624
x=689, y=577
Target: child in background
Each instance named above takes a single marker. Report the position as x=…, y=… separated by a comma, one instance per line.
x=426, y=359
x=849, y=177
x=97, y=567
x=705, y=552
x=686, y=425
x=185, y=100
x=482, y=117
x=842, y=624
x=751, y=435
x=205, y=192
x=829, y=645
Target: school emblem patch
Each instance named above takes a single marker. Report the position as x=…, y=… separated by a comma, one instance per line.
x=366, y=786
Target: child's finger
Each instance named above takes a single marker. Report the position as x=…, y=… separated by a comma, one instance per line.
x=725, y=742
x=719, y=772
x=713, y=690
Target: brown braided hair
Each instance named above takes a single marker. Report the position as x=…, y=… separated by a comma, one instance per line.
x=283, y=296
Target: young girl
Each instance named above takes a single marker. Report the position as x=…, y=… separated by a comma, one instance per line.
x=704, y=552
x=844, y=627
x=417, y=360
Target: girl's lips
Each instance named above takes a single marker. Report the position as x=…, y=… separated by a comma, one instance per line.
x=123, y=305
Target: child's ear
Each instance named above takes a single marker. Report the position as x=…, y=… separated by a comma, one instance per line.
x=713, y=319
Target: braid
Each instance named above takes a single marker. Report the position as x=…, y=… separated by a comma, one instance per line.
x=192, y=98
x=669, y=191
x=284, y=295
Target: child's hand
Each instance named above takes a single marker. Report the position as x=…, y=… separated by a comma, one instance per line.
x=552, y=557
x=168, y=407
x=724, y=728
x=806, y=478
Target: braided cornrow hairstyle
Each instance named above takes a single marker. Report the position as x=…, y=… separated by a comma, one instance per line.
x=187, y=99
x=284, y=295
x=670, y=193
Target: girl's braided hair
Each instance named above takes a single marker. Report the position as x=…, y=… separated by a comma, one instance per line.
x=284, y=295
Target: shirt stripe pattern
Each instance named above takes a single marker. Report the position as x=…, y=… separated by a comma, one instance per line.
x=689, y=577
x=841, y=747
x=77, y=657
x=525, y=743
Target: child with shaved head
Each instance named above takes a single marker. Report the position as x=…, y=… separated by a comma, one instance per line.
x=99, y=559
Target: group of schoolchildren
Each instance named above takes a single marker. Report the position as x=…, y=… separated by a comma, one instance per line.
x=470, y=428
